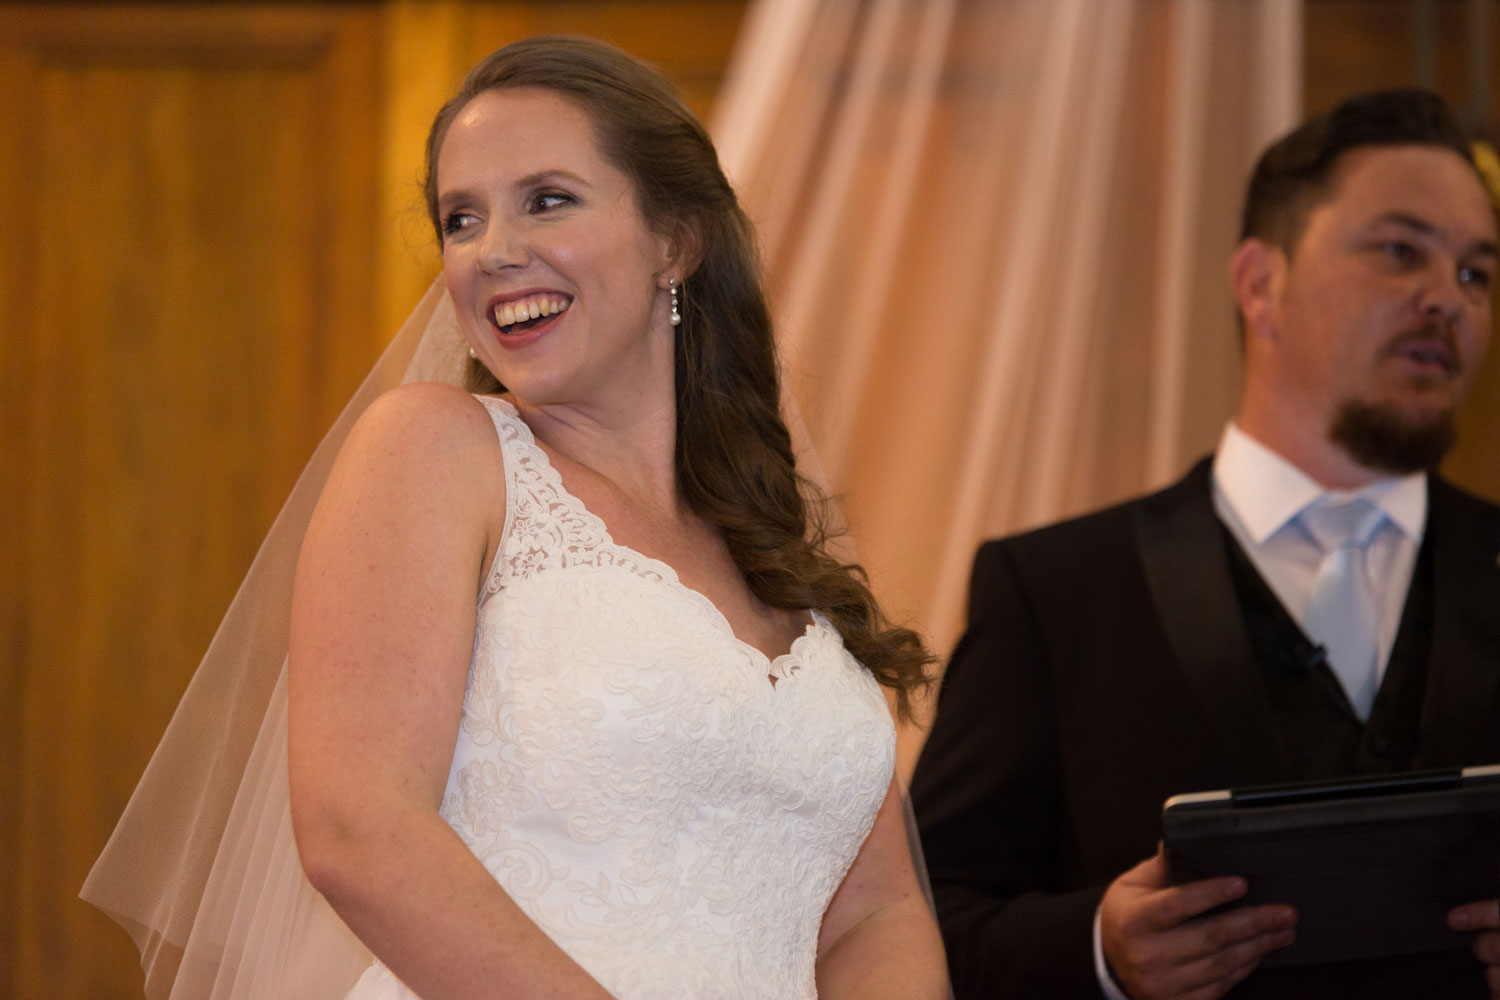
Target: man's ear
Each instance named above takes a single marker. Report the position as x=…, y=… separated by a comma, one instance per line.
x=1255, y=275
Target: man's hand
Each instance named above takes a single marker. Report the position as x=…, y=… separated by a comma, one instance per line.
x=1158, y=945
x=1485, y=918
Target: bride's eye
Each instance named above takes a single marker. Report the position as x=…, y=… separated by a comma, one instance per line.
x=454, y=221
x=545, y=201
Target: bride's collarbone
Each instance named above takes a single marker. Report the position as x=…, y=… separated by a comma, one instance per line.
x=670, y=533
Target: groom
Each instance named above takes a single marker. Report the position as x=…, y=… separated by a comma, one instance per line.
x=1205, y=637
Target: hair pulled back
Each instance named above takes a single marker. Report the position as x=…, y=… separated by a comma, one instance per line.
x=734, y=459
x=1297, y=172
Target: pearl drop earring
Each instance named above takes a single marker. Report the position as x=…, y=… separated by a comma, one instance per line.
x=676, y=317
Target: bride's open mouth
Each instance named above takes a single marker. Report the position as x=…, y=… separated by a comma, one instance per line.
x=520, y=315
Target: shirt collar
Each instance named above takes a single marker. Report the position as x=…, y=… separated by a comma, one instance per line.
x=1264, y=491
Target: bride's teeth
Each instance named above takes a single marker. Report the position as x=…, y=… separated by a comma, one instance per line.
x=510, y=313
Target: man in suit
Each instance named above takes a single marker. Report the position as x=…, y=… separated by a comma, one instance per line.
x=1204, y=637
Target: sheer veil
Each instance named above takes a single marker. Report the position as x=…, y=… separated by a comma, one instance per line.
x=202, y=869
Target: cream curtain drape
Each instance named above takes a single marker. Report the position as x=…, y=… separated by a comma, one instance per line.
x=995, y=235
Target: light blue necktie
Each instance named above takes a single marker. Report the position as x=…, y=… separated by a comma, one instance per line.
x=1341, y=615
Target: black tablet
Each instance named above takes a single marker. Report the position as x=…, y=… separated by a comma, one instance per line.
x=1373, y=864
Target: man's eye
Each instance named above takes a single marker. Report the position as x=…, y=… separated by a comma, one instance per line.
x=1399, y=250
x=1476, y=276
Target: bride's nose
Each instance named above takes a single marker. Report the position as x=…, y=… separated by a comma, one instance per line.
x=502, y=247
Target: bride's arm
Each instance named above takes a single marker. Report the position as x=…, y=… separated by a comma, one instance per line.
x=879, y=938
x=382, y=630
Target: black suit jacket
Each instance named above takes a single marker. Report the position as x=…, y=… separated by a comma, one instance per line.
x=1106, y=666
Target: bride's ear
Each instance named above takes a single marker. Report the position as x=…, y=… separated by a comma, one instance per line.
x=682, y=249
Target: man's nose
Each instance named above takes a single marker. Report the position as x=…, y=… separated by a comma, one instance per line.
x=1443, y=295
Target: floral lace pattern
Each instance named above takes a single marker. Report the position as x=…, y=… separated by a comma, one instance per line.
x=671, y=808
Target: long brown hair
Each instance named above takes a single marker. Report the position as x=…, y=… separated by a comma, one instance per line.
x=734, y=457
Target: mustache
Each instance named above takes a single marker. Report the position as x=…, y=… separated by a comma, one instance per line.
x=1436, y=340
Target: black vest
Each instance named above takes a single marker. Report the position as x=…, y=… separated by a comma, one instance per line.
x=1323, y=738
x=1318, y=730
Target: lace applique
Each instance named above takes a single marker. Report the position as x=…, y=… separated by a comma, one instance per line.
x=664, y=803
x=547, y=527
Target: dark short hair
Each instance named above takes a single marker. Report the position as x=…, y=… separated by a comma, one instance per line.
x=1296, y=173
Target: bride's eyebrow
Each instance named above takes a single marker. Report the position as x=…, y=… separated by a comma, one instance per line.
x=536, y=179
x=541, y=178
x=446, y=199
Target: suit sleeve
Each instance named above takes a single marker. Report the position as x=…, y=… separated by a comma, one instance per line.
x=987, y=793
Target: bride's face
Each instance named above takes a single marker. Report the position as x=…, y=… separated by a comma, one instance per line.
x=558, y=282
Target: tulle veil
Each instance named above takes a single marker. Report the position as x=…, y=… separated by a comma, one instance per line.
x=202, y=869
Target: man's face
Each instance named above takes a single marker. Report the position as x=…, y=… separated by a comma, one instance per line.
x=1381, y=315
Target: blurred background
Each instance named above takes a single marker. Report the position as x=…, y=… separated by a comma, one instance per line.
x=994, y=231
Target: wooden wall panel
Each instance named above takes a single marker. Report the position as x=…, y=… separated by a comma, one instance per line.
x=1355, y=45
x=13, y=429
x=197, y=192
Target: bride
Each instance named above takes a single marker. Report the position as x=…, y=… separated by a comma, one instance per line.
x=577, y=703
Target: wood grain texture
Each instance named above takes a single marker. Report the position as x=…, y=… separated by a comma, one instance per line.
x=14, y=431
x=197, y=286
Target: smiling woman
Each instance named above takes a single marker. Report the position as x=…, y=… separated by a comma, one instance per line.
x=532, y=214
x=576, y=699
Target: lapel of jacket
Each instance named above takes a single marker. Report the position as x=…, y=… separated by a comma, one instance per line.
x=1187, y=570
x=1463, y=673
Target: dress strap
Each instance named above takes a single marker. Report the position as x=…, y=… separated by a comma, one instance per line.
x=511, y=430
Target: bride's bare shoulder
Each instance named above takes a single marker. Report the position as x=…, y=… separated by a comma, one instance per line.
x=427, y=409
x=425, y=437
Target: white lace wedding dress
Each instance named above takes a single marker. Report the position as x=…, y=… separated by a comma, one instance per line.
x=671, y=808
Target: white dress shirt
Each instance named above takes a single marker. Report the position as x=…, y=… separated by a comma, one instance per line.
x=1258, y=495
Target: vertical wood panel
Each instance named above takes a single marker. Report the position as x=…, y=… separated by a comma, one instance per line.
x=424, y=65
x=13, y=490
x=199, y=191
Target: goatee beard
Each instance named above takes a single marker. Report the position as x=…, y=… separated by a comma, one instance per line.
x=1381, y=437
